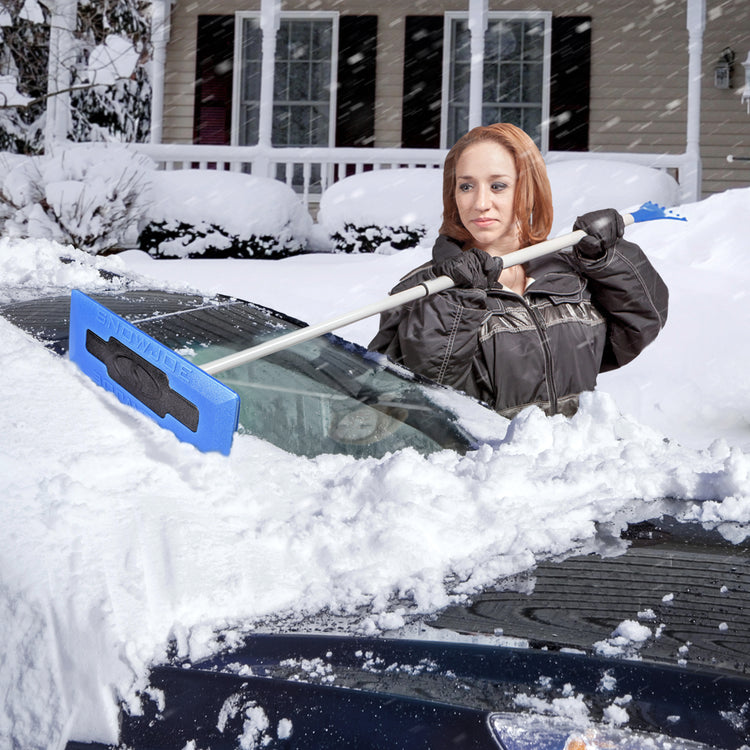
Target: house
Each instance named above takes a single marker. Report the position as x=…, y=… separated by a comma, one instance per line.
x=353, y=80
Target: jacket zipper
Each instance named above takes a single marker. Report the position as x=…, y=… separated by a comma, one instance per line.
x=544, y=339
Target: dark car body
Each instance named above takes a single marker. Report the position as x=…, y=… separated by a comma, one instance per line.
x=687, y=687
x=500, y=671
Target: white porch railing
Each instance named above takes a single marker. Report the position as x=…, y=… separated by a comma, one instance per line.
x=311, y=170
x=308, y=170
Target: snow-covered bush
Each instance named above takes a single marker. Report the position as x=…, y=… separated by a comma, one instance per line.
x=90, y=197
x=382, y=211
x=212, y=214
x=353, y=238
x=389, y=210
x=585, y=184
x=111, y=100
x=106, y=196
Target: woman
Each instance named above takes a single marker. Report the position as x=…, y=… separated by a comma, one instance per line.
x=533, y=334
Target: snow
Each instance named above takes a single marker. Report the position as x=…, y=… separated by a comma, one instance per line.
x=625, y=640
x=116, y=539
x=604, y=182
x=395, y=198
x=96, y=190
x=114, y=59
x=9, y=95
x=242, y=205
x=32, y=12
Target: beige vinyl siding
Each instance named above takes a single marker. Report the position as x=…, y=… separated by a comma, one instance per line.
x=638, y=82
x=725, y=122
x=389, y=86
x=179, y=81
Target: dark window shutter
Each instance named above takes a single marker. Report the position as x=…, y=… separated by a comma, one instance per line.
x=423, y=80
x=212, y=122
x=570, y=83
x=355, y=103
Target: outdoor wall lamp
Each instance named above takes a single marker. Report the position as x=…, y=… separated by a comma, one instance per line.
x=724, y=69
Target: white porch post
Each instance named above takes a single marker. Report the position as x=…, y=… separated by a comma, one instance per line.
x=477, y=28
x=160, y=27
x=61, y=58
x=690, y=175
x=270, y=19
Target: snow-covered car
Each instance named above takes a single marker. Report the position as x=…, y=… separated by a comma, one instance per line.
x=642, y=645
x=643, y=649
x=321, y=396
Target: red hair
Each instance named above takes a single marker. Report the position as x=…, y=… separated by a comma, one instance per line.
x=533, y=195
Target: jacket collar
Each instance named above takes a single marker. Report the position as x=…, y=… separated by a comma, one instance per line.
x=555, y=275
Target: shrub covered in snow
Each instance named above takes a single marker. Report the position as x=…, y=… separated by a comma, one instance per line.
x=90, y=197
x=382, y=211
x=353, y=238
x=210, y=214
x=585, y=184
x=389, y=210
x=106, y=197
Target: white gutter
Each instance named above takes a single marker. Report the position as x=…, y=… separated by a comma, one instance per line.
x=160, y=30
x=61, y=60
x=691, y=174
x=477, y=29
x=270, y=21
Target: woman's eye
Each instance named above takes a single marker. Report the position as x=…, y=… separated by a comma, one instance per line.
x=499, y=186
x=464, y=187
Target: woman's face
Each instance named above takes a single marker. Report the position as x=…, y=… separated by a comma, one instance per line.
x=485, y=186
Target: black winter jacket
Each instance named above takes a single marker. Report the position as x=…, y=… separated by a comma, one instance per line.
x=577, y=318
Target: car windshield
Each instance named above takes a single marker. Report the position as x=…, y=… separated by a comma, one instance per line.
x=321, y=396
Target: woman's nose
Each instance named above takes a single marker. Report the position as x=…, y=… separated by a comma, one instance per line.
x=482, y=198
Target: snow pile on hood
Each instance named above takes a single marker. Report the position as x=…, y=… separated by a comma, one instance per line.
x=116, y=539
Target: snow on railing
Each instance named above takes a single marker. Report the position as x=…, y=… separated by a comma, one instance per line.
x=678, y=165
x=310, y=170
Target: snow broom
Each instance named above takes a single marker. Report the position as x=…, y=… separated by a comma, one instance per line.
x=186, y=398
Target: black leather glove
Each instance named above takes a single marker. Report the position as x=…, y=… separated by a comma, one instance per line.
x=603, y=228
x=471, y=269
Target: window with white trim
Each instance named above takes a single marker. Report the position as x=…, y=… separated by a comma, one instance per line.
x=304, y=82
x=516, y=77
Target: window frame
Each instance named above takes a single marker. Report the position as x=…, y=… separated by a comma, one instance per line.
x=239, y=67
x=450, y=17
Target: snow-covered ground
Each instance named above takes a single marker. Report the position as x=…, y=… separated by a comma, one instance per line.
x=116, y=538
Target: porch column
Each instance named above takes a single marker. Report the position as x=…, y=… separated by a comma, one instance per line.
x=477, y=29
x=160, y=28
x=270, y=19
x=691, y=173
x=62, y=57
